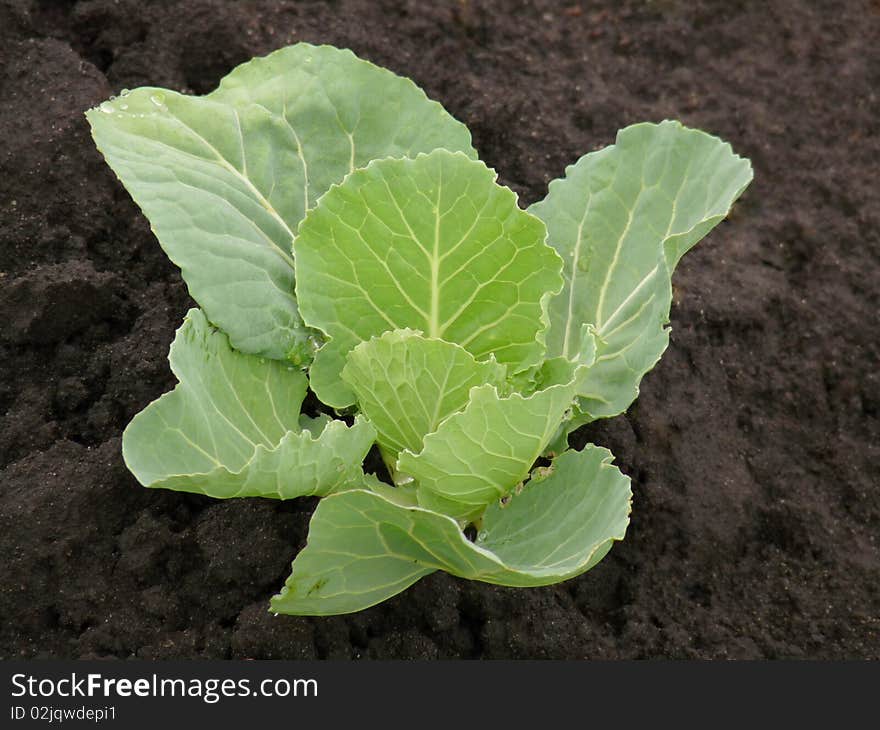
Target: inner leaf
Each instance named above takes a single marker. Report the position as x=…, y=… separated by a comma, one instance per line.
x=432, y=244
x=407, y=384
x=480, y=454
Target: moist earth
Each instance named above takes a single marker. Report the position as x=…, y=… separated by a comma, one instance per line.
x=755, y=444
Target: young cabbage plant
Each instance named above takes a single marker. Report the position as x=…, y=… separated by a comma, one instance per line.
x=338, y=233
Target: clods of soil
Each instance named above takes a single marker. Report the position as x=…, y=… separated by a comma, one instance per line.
x=755, y=445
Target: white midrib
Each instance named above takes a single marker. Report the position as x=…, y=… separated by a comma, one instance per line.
x=600, y=306
x=434, y=328
x=299, y=151
x=604, y=331
x=574, y=269
x=350, y=136
x=434, y=323
x=250, y=186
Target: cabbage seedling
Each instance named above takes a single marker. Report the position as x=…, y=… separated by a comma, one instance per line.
x=338, y=233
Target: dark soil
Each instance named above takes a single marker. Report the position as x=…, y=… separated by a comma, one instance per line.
x=754, y=448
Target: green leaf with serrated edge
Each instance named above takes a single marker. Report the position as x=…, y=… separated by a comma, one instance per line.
x=300, y=465
x=581, y=499
x=480, y=454
x=364, y=548
x=432, y=244
x=557, y=370
x=231, y=428
x=225, y=179
x=406, y=384
x=314, y=425
x=621, y=219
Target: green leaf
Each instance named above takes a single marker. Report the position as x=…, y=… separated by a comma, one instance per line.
x=581, y=501
x=231, y=428
x=480, y=454
x=432, y=244
x=561, y=371
x=364, y=547
x=342, y=111
x=621, y=219
x=558, y=370
x=225, y=179
x=406, y=384
x=314, y=425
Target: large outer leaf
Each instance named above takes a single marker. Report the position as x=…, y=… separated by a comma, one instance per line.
x=342, y=111
x=480, y=454
x=225, y=179
x=431, y=244
x=231, y=427
x=406, y=384
x=621, y=219
x=364, y=547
